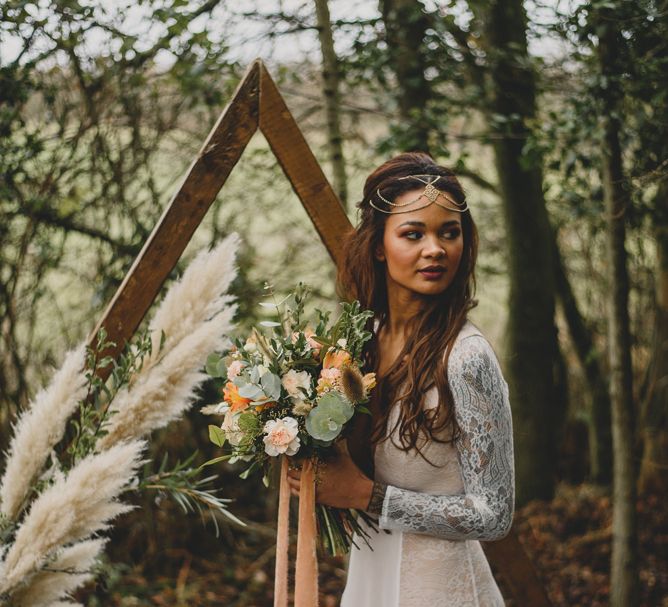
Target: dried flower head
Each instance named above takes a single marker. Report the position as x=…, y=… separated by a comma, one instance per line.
x=352, y=383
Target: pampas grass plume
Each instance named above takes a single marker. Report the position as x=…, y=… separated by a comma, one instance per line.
x=196, y=318
x=162, y=394
x=197, y=296
x=39, y=429
x=72, y=509
x=70, y=569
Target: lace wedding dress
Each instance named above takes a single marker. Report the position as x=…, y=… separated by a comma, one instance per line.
x=435, y=516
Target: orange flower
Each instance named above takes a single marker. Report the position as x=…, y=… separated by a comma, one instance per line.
x=231, y=396
x=336, y=359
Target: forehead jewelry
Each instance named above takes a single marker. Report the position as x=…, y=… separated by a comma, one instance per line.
x=431, y=193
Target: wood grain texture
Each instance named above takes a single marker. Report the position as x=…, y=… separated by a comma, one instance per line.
x=509, y=558
x=207, y=174
x=301, y=167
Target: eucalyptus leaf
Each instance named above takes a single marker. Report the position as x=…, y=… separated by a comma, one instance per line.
x=212, y=362
x=251, y=391
x=271, y=385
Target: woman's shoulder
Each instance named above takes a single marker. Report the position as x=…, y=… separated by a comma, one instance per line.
x=472, y=352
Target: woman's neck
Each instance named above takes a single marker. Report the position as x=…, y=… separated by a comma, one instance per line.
x=401, y=312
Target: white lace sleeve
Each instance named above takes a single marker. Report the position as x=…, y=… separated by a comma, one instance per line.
x=485, y=450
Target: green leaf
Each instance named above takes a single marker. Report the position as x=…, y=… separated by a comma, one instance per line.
x=251, y=391
x=212, y=365
x=249, y=423
x=215, y=460
x=271, y=385
x=216, y=435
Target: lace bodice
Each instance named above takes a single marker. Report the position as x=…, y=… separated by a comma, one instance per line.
x=476, y=501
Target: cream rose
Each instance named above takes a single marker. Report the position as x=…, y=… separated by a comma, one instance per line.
x=281, y=436
x=293, y=380
x=231, y=428
x=234, y=369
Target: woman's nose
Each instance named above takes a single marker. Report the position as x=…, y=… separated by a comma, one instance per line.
x=434, y=248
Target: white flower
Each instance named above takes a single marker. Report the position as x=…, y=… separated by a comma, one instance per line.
x=281, y=436
x=301, y=407
x=342, y=342
x=231, y=428
x=250, y=346
x=234, y=369
x=293, y=380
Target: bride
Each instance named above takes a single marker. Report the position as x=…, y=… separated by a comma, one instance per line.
x=436, y=463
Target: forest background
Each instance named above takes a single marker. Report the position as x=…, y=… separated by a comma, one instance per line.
x=554, y=114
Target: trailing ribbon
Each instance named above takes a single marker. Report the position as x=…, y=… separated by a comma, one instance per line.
x=306, y=567
x=282, y=538
x=306, y=571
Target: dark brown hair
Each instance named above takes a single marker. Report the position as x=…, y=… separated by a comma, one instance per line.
x=361, y=276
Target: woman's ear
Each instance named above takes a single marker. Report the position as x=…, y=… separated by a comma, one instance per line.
x=379, y=253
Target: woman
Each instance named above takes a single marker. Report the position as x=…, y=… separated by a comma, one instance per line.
x=441, y=436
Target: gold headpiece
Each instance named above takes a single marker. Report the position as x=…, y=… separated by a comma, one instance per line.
x=431, y=193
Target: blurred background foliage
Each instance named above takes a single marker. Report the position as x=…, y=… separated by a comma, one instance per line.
x=543, y=107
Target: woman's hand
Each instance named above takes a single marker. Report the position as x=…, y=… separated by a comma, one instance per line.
x=339, y=482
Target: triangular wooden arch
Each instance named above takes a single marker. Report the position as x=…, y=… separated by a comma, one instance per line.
x=257, y=103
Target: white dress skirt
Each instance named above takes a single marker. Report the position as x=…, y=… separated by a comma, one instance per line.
x=427, y=553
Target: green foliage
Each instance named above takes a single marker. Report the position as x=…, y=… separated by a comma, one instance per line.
x=325, y=421
x=94, y=410
x=192, y=493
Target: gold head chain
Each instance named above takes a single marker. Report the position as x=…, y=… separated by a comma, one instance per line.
x=431, y=193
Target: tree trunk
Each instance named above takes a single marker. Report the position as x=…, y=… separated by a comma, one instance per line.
x=405, y=25
x=331, y=78
x=654, y=465
x=624, y=570
x=600, y=436
x=532, y=349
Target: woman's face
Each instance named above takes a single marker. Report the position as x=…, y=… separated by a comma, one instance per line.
x=421, y=249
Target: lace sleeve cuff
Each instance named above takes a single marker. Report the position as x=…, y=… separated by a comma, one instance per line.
x=377, y=498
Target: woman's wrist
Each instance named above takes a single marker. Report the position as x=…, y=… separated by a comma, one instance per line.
x=378, y=492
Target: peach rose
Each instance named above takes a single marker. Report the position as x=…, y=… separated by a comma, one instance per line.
x=282, y=436
x=336, y=358
x=328, y=379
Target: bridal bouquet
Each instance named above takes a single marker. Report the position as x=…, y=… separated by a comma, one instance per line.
x=290, y=389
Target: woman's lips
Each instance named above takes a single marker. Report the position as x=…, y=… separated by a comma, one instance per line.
x=432, y=273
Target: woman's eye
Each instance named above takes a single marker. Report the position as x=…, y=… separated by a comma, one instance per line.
x=452, y=234
x=413, y=235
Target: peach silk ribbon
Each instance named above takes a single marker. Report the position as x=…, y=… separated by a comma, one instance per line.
x=306, y=568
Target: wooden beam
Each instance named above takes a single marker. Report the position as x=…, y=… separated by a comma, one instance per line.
x=510, y=559
x=301, y=167
x=161, y=252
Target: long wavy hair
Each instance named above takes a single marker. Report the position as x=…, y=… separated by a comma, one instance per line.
x=426, y=352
